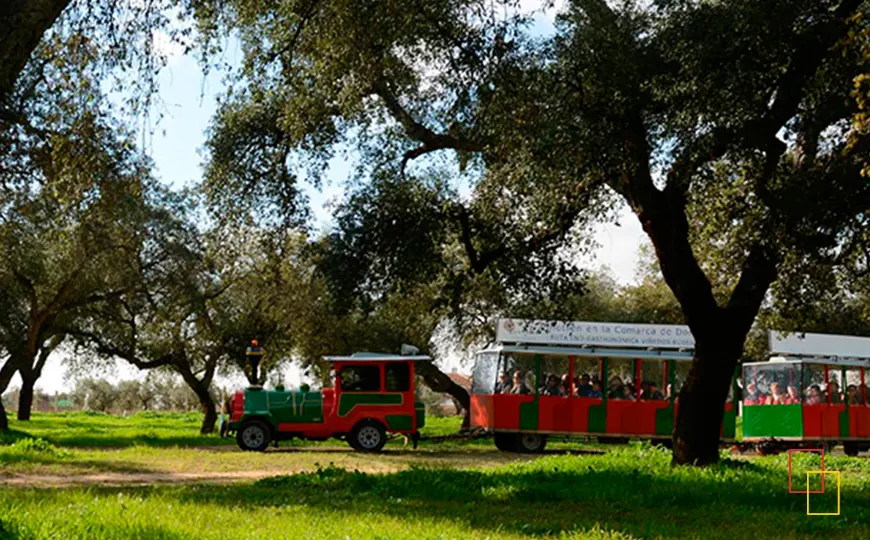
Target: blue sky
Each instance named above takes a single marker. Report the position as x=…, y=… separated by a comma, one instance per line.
x=188, y=101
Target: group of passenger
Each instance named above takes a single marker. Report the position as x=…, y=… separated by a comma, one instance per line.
x=584, y=386
x=781, y=394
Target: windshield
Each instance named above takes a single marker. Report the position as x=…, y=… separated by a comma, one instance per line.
x=485, y=373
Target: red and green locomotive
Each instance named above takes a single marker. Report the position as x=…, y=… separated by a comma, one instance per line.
x=373, y=394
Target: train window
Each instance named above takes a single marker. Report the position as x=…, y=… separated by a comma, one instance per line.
x=854, y=395
x=397, y=377
x=486, y=379
x=555, y=380
x=814, y=382
x=621, y=382
x=587, y=377
x=772, y=384
x=834, y=389
x=520, y=368
x=653, y=382
x=360, y=378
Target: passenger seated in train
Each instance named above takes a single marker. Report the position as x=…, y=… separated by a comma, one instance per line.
x=834, y=392
x=596, y=389
x=814, y=396
x=854, y=394
x=503, y=386
x=777, y=396
x=582, y=386
x=629, y=392
x=614, y=389
x=753, y=396
x=519, y=387
x=565, y=385
x=652, y=392
x=793, y=395
x=552, y=386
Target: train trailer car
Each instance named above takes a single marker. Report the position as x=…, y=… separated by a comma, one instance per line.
x=373, y=394
x=812, y=393
x=545, y=378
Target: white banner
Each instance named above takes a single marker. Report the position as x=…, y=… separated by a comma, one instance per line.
x=667, y=336
x=819, y=345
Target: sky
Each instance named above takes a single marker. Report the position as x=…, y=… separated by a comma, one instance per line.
x=188, y=101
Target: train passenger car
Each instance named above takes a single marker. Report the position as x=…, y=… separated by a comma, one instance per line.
x=812, y=393
x=606, y=380
x=373, y=394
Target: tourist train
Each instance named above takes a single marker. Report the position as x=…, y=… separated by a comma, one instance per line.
x=609, y=382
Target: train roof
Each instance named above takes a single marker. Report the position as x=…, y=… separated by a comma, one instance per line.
x=815, y=359
x=595, y=352
x=378, y=357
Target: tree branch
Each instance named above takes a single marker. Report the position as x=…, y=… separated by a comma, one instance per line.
x=430, y=140
x=812, y=47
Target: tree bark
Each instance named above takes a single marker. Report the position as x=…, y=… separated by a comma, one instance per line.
x=25, y=398
x=438, y=381
x=209, y=410
x=22, y=25
x=6, y=373
x=201, y=388
x=31, y=372
x=701, y=400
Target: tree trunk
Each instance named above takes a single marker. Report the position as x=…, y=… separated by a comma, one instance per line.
x=201, y=388
x=6, y=373
x=22, y=24
x=31, y=372
x=702, y=398
x=25, y=398
x=209, y=409
x=438, y=381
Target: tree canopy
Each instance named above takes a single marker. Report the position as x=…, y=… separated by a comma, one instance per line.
x=708, y=119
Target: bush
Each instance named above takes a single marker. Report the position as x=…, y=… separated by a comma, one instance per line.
x=32, y=449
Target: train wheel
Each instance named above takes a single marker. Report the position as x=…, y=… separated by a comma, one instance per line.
x=851, y=449
x=368, y=436
x=506, y=442
x=531, y=443
x=254, y=436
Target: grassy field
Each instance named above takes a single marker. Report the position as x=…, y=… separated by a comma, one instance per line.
x=438, y=491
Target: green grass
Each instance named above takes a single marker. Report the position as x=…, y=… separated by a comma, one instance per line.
x=69, y=444
x=631, y=492
x=449, y=490
x=89, y=429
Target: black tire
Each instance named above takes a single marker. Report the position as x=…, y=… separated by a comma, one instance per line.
x=851, y=449
x=368, y=436
x=506, y=442
x=254, y=436
x=530, y=443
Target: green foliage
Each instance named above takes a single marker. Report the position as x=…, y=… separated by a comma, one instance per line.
x=33, y=450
